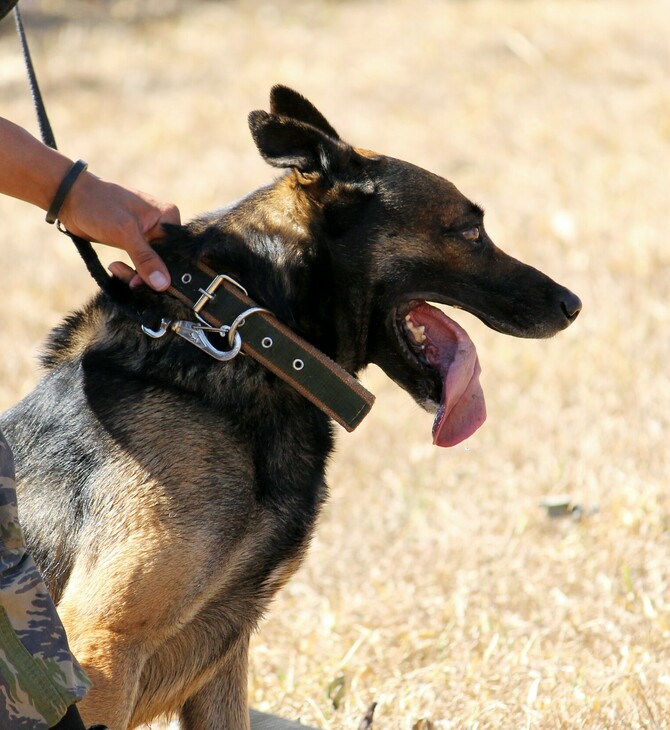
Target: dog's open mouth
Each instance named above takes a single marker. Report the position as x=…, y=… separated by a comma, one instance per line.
x=441, y=344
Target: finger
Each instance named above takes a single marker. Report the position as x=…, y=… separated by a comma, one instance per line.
x=149, y=265
x=122, y=271
x=170, y=216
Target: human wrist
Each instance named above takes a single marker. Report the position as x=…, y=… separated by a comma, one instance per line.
x=86, y=189
x=54, y=167
x=64, y=189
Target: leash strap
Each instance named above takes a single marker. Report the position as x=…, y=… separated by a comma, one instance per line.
x=111, y=286
x=42, y=119
x=85, y=249
x=314, y=375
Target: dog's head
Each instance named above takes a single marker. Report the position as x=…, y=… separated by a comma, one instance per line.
x=399, y=237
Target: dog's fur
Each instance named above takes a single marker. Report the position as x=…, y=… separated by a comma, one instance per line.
x=166, y=496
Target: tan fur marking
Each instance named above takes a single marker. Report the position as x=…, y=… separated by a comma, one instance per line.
x=367, y=153
x=86, y=333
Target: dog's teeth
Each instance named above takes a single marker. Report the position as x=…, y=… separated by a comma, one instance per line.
x=418, y=333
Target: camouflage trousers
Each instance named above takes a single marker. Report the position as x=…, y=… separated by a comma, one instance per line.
x=39, y=677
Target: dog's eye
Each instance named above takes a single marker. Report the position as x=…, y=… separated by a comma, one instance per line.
x=471, y=234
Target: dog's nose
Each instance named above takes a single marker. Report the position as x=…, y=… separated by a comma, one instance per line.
x=571, y=305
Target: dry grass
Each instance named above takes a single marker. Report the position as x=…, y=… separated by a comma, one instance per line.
x=436, y=585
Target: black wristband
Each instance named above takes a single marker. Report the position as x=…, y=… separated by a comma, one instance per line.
x=63, y=189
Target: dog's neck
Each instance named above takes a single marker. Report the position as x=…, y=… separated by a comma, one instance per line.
x=276, y=243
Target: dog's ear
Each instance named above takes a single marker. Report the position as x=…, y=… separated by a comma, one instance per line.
x=286, y=102
x=286, y=142
x=318, y=157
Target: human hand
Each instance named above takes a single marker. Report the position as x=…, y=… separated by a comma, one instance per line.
x=108, y=213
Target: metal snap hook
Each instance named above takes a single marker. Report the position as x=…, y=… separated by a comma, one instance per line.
x=195, y=334
x=155, y=334
x=222, y=355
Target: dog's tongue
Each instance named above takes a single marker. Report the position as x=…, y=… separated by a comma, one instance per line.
x=449, y=349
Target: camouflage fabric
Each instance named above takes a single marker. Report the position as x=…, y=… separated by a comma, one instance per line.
x=39, y=677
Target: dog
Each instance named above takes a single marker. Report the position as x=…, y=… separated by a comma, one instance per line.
x=167, y=496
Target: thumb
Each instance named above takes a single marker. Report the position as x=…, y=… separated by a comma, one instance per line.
x=149, y=265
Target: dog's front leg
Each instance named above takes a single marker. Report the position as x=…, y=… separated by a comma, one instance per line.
x=222, y=702
x=113, y=667
x=112, y=629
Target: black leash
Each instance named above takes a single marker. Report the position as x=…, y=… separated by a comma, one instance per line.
x=115, y=289
x=42, y=119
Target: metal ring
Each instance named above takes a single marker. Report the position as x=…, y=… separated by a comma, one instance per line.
x=267, y=342
x=239, y=321
x=298, y=364
x=186, y=279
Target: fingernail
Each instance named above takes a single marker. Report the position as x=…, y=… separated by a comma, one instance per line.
x=158, y=280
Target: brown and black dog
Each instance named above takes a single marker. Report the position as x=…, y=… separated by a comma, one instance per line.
x=167, y=496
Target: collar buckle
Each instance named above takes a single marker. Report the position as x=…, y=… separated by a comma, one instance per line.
x=208, y=295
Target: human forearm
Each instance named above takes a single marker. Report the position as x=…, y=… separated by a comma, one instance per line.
x=29, y=170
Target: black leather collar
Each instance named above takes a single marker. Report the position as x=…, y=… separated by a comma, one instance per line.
x=219, y=302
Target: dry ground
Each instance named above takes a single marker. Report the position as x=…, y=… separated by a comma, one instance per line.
x=436, y=586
